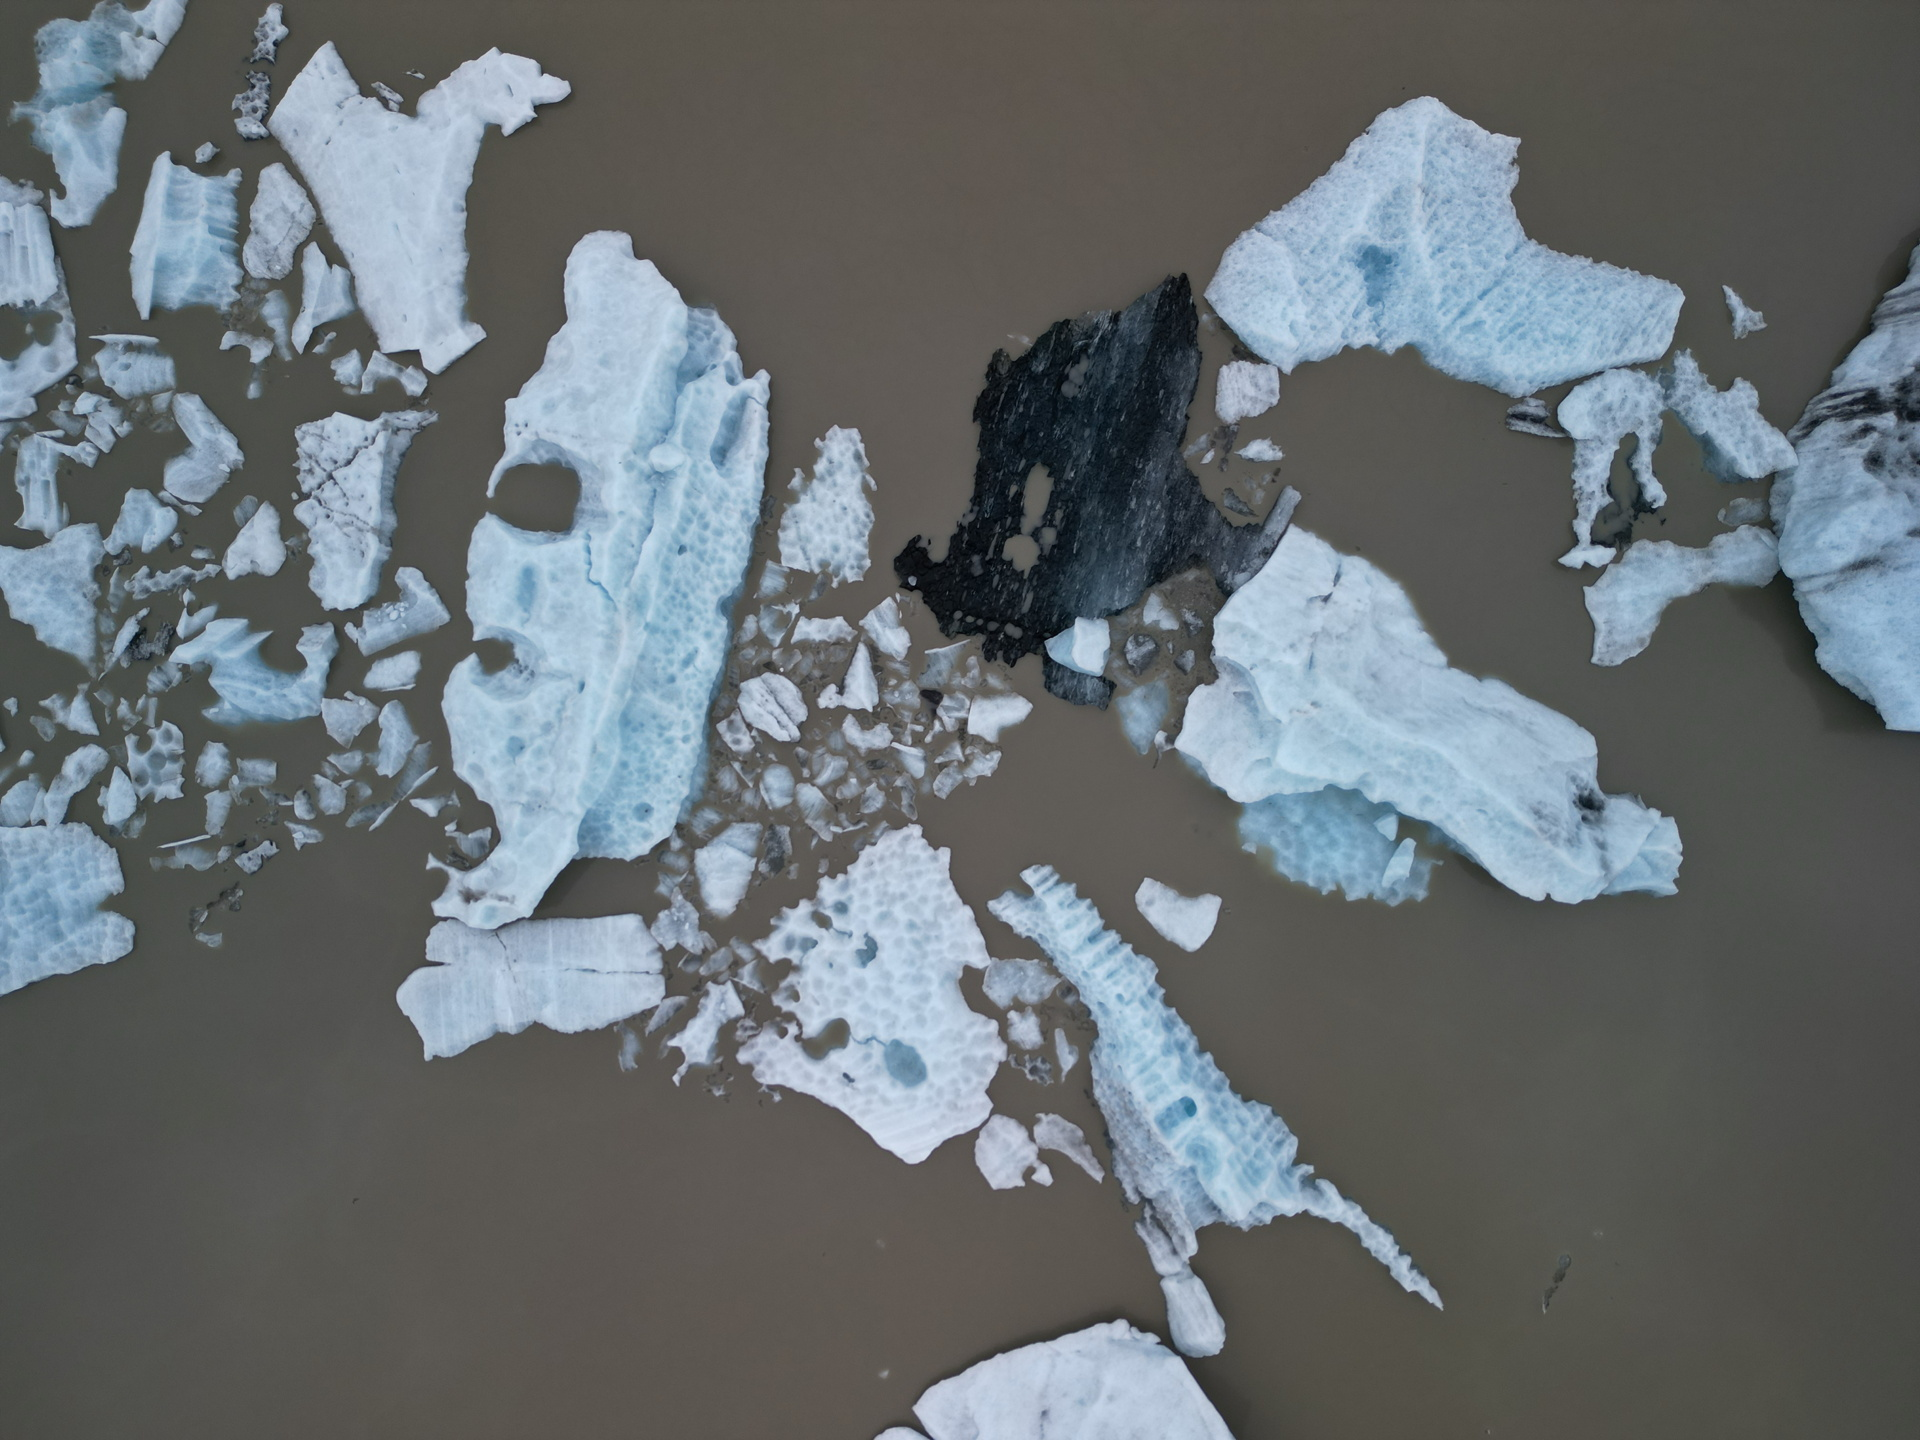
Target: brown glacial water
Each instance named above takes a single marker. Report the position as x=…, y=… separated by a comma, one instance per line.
x=235, y=1202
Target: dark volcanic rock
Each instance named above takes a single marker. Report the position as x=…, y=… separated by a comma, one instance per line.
x=1081, y=501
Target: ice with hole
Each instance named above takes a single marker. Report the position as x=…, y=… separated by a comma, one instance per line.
x=393, y=187
x=54, y=879
x=1328, y=678
x=186, y=250
x=1337, y=839
x=826, y=524
x=1244, y=389
x=882, y=947
x=33, y=285
x=278, y=222
x=73, y=115
x=1004, y=1153
x=249, y=688
x=346, y=469
x=592, y=741
x=1412, y=239
x=568, y=975
x=1186, y=1147
x=1627, y=601
x=1185, y=920
x=418, y=611
x=52, y=589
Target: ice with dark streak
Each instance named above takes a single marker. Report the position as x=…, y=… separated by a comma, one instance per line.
x=53, y=881
x=1081, y=500
x=346, y=468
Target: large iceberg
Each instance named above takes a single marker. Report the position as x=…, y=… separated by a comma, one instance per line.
x=882, y=948
x=346, y=468
x=393, y=187
x=1627, y=601
x=52, y=588
x=1328, y=678
x=186, y=250
x=32, y=284
x=73, y=115
x=1411, y=239
x=1186, y=1148
x=53, y=880
x=592, y=741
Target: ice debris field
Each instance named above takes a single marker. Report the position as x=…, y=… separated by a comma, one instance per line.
x=679, y=681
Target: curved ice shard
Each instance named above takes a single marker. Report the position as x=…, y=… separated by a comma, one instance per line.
x=32, y=283
x=248, y=687
x=52, y=588
x=186, y=250
x=826, y=524
x=1848, y=513
x=53, y=880
x=346, y=468
x=393, y=187
x=74, y=118
x=1411, y=239
x=1627, y=601
x=882, y=947
x=592, y=741
x=1328, y=678
x=1185, y=1146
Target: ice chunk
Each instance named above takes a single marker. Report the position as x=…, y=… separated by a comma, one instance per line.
x=53, y=881
x=418, y=611
x=186, y=250
x=32, y=285
x=133, y=365
x=36, y=475
x=326, y=293
x=215, y=764
x=257, y=549
x=771, y=703
x=858, y=690
x=251, y=104
x=1328, y=678
x=77, y=771
x=1005, y=1153
x=157, y=766
x=1063, y=1137
x=212, y=453
x=383, y=367
x=74, y=118
x=144, y=524
x=1142, y=711
x=833, y=630
x=882, y=947
x=1411, y=239
x=52, y=589
x=1184, y=1144
x=1023, y=1030
x=1107, y=1382
x=882, y=626
x=1334, y=838
x=1627, y=601
x=394, y=672
x=569, y=975
x=1736, y=442
x=277, y=223
x=1745, y=318
x=1599, y=414
x=396, y=738
x=117, y=799
x=268, y=31
x=1261, y=451
x=345, y=719
x=1025, y=982
x=249, y=688
x=990, y=715
x=1185, y=920
x=593, y=740
x=1244, y=389
x=393, y=187
x=826, y=524
x=1743, y=510
x=725, y=867
x=346, y=468
x=1532, y=417
x=1082, y=646
x=699, y=1039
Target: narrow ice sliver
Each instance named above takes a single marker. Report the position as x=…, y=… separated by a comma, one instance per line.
x=592, y=740
x=53, y=880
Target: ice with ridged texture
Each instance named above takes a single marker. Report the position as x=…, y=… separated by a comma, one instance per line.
x=212, y=453
x=1327, y=677
x=52, y=588
x=36, y=476
x=1599, y=414
x=258, y=548
x=1627, y=601
x=1744, y=318
x=248, y=687
x=882, y=947
x=1244, y=389
x=144, y=524
x=32, y=284
x=279, y=219
x=593, y=740
x=393, y=187
x=186, y=250
x=74, y=118
x=1412, y=239
x=133, y=365
x=326, y=293
x=53, y=881
x=1736, y=442
x=1848, y=513
x=346, y=468
x=1004, y=1152
x=418, y=611
x=568, y=975
x=1185, y=920
x=1185, y=1146
x=1337, y=839
x=826, y=524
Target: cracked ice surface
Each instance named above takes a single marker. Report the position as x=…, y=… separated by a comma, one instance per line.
x=418, y=611
x=1848, y=513
x=592, y=741
x=393, y=187
x=1184, y=1144
x=1186, y=920
x=53, y=880
x=248, y=687
x=52, y=589
x=568, y=975
x=346, y=468
x=882, y=947
x=1626, y=602
x=31, y=282
x=74, y=118
x=186, y=250
x=1411, y=239
x=825, y=527
x=1328, y=678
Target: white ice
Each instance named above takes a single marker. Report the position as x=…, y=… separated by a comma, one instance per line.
x=1337, y=839
x=569, y=975
x=74, y=118
x=772, y=704
x=398, y=671
x=882, y=947
x=1626, y=602
x=343, y=719
x=989, y=716
x=826, y=524
x=1411, y=239
x=1327, y=677
x=393, y=187
x=592, y=741
x=278, y=221
x=144, y=524
x=1736, y=442
x=52, y=589
x=212, y=453
x=858, y=689
x=186, y=250
x=1260, y=451
x=249, y=688
x=268, y=31
x=1184, y=1143
x=33, y=284
x=1063, y=1137
x=397, y=739
x=883, y=627
x=77, y=772
x=1186, y=920
x=36, y=476
x=1244, y=389
x=117, y=798
x=699, y=1039
x=326, y=293
x=724, y=867
x=258, y=548
x=418, y=611
x=346, y=468
x=133, y=365
x=1023, y=982
x=53, y=881
x=1142, y=710
x=1005, y=1152
x=1599, y=414
x=1082, y=646
x=1744, y=317
x=832, y=630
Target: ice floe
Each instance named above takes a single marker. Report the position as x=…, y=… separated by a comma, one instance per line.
x=144, y=523
x=699, y=1039
x=346, y=469
x=1063, y=1137
x=1004, y=1153
x=268, y=31
x=1082, y=647
x=52, y=588
x=824, y=530
x=33, y=285
x=133, y=366
x=418, y=611
x=53, y=880
x=725, y=867
x=398, y=671
x=1627, y=601
x=36, y=476
x=186, y=250
x=248, y=687
x=1745, y=319
x=212, y=453
x=1244, y=389
x=258, y=548
x=326, y=293
x=278, y=222
x=1186, y=920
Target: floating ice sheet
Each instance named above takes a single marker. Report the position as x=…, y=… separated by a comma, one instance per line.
x=592, y=741
x=346, y=468
x=1186, y=920
x=33, y=285
x=569, y=975
x=1337, y=839
x=277, y=223
x=1627, y=601
x=826, y=524
x=1411, y=239
x=393, y=187
x=418, y=611
x=52, y=588
x=186, y=250
x=248, y=687
x=53, y=881
x=1328, y=678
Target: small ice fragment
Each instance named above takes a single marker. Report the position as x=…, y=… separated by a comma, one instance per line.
x=1023, y=1030
x=379, y=367
x=257, y=549
x=250, y=106
x=1626, y=602
x=347, y=370
x=1005, y=1152
x=1532, y=417
x=1185, y=920
x=53, y=881
x=77, y=771
x=212, y=453
x=117, y=800
x=394, y=672
x=776, y=786
x=344, y=719
x=396, y=739
x=865, y=739
x=389, y=96
x=1082, y=647
x=52, y=589
x=1024, y=982
x=725, y=866
x=1244, y=389
x=278, y=223
x=1745, y=318
x=1157, y=613
x=1063, y=1137
x=699, y=1039
x=346, y=468
x=254, y=774
x=36, y=475
x=832, y=630
x=858, y=690
x=883, y=627
x=250, y=689
x=1142, y=711
x=133, y=365
x=206, y=152
x=678, y=926
x=826, y=524
x=304, y=835
x=1743, y=510
x=186, y=250
x=1399, y=867
x=1261, y=451
x=251, y=860
x=268, y=31
x=326, y=294
x=144, y=524
x=215, y=764
x=418, y=611
x=990, y=715
x=1736, y=442
x=771, y=703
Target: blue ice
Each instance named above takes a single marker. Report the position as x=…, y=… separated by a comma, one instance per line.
x=249, y=688
x=1334, y=838
x=52, y=588
x=186, y=250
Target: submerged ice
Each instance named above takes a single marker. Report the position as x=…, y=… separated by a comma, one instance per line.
x=1337, y=839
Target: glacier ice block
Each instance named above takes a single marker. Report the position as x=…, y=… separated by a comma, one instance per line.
x=33, y=284
x=133, y=365
x=144, y=523
x=53, y=881
x=346, y=468
x=825, y=527
x=186, y=250
x=1626, y=602
x=1185, y=920
x=418, y=611
x=258, y=548
x=1082, y=646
